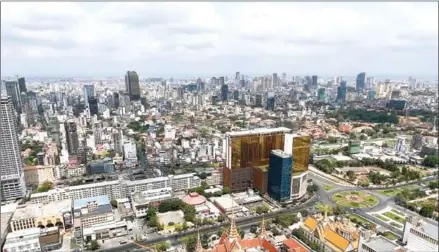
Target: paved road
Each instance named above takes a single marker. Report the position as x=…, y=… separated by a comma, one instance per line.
x=214, y=228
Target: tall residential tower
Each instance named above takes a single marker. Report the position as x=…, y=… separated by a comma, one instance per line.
x=132, y=85
x=13, y=185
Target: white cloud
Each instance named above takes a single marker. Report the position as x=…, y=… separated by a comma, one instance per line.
x=206, y=38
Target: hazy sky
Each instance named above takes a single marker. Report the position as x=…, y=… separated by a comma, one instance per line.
x=202, y=39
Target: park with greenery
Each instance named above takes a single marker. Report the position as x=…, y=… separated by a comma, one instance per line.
x=355, y=199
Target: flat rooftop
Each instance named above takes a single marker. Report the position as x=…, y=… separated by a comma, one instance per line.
x=429, y=229
x=381, y=244
x=100, y=200
x=258, y=131
x=36, y=210
x=281, y=153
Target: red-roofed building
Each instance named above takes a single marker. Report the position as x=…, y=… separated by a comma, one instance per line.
x=292, y=245
x=231, y=241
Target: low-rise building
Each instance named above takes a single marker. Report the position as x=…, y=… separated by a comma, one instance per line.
x=33, y=239
x=92, y=211
x=370, y=243
x=36, y=175
x=42, y=215
x=142, y=200
x=331, y=235
x=420, y=235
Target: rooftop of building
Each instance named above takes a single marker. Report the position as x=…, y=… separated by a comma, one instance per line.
x=194, y=198
x=258, y=131
x=380, y=244
x=7, y=211
x=145, y=197
x=427, y=228
x=36, y=210
x=100, y=200
x=281, y=153
x=294, y=245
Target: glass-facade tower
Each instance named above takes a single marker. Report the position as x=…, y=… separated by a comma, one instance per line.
x=279, y=175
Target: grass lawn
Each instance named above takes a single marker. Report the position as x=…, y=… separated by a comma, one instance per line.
x=73, y=244
x=364, y=200
x=394, y=217
x=327, y=187
x=379, y=216
x=391, y=236
x=395, y=224
x=395, y=191
x=371, y=200
x=397, y=212
x=360, y=220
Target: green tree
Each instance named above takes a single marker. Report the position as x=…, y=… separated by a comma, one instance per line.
x=221, y=218
x=190, y=243
x=226, y=190
x=113, y=203
x=46, y=186
x=162, y=246
x=94, y=245
x=427, y=211
x=312, y=188
x=431, y=161
x=351, y=175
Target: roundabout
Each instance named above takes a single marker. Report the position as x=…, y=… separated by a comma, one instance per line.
x=355, y=199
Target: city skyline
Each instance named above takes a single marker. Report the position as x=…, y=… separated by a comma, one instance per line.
x=190, y=39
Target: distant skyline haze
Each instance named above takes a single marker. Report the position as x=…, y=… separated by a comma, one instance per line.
x=68, y=39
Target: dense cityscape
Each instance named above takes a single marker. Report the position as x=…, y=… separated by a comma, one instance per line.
x=273, y=162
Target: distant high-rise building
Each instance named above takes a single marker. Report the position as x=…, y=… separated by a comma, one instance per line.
x=22, y=85
x=237, y=76
x=279, y=175
x=361, y=77
x=258, y=100
x=341, y=92
x=271, y=101
x=89, y=91
x=224, y=92
x=275, y=79
x=97, y=132
x=93, y=106
x=308, y=83
x=13, y=90
x=71, y=137
x=13, y=185
x=236, y=95
x=117, y=141
x=116, y=100
x=321, y=95
x=314, y=82
x=132, y=85
x=214, y=100
x=221, y=81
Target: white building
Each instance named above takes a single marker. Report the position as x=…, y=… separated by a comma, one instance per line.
x=169, y=132
x=141, y=200
x=23, y=240
x=420, y=235
x=299, y=185
x=117, y=189
x=130, y=151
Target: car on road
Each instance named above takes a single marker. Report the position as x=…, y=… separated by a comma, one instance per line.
x=122, y=242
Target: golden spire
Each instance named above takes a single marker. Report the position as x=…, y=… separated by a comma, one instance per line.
x=199, y=247
x=233, y=230
x=263, y=233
